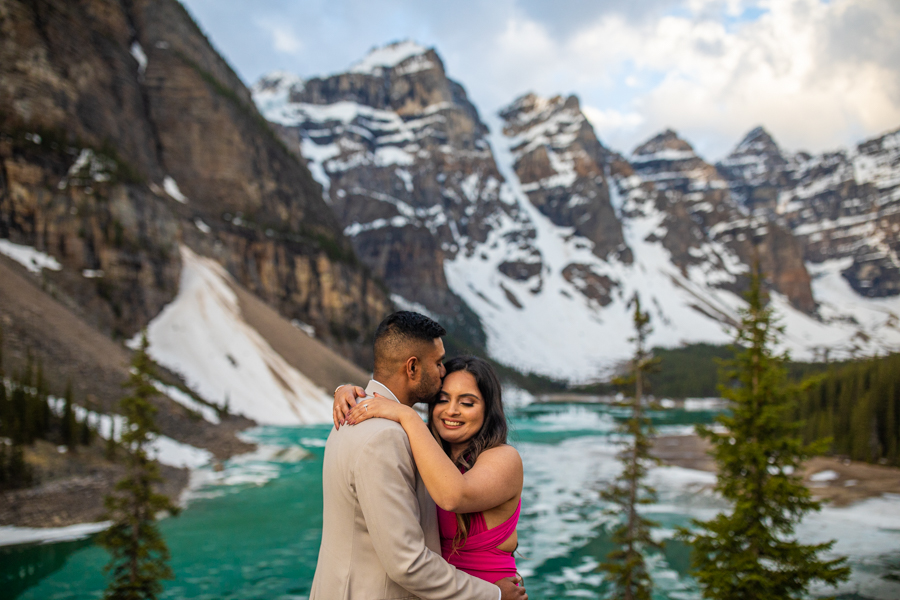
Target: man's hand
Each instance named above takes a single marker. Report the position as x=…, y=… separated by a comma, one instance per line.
x=511, y=588
x=344, y=401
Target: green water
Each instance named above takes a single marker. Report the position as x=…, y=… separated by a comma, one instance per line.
x=254, y=534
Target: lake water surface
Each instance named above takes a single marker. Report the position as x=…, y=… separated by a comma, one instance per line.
x=252, y=531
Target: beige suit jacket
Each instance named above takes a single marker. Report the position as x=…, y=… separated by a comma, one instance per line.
x=379, y=529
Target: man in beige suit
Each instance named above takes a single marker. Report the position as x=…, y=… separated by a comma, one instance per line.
x=379, y=529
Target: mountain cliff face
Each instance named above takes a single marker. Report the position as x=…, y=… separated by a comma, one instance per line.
x=560, y=165
x=404, y=162
x=125, y=134
x=702, y=214
x=140, y=187
x=842, y=206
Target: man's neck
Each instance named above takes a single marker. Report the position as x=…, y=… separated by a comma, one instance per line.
x=396, y=386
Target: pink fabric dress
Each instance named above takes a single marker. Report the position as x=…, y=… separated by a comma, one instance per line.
x=479, y=556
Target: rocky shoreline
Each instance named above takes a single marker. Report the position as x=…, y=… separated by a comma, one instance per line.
x=836, y=481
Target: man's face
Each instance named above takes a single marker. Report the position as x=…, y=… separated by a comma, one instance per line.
x=432, y=366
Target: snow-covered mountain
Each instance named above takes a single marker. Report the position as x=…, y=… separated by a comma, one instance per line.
x=842, y=206
x=405, y=163
x=533, y=239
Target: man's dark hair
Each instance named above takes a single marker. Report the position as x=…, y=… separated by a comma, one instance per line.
x=398, y=333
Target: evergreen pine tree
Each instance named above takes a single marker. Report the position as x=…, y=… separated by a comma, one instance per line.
x=749, y=552
x=19, y=473
x=68, y=428
x=5, y=406
x=111, y=440
x=17, y=425
x=42, y=406
x=4, y=477
x=626, y=567
x=139, y=555
x=86, y=435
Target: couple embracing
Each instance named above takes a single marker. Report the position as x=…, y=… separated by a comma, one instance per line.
x=416, y=510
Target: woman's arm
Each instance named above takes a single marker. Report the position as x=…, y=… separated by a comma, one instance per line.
x=496, y=477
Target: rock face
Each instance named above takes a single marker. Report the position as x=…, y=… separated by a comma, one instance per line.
x=560, y=164
x=843, y=206
x=404, y=161
x=123, y=134
x=702, y=219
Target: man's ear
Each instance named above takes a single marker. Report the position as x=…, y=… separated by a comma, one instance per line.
x=413, y=368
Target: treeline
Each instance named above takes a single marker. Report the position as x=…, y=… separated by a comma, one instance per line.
x=26, y=415
x=693, y=371
x=857, y=405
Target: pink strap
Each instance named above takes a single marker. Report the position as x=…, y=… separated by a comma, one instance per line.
x=491, y=538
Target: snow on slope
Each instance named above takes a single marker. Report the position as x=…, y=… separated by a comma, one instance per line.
x=32, y=259
x=558, y=331
x=392, y=55
x=549, y=327
x=202, y=336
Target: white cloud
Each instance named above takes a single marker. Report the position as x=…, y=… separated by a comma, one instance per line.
x=713, y=81
x=284, y=39
x=611, y=123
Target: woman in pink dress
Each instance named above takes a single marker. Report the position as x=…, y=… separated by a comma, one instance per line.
x=473, y=475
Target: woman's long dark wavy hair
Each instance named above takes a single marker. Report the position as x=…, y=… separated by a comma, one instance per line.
x=492, y=433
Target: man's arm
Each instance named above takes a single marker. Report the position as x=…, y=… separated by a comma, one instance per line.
x=386, y=488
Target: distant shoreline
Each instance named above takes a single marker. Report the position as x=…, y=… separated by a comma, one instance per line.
x=841, y=482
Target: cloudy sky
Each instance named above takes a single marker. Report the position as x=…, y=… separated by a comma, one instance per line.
x=818, y=74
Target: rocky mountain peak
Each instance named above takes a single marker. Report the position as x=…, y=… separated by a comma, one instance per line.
x=405, y=55
x=666, y=145
x=562, y=167
x=754, y=169
x=404, y=78
x=404, y=162
x=841, y=205
x=758, y=141
x=671, y=163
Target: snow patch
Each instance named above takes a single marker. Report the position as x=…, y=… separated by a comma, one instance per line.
x=390, y=56
x=172, y=190
x=138, y=53
x=11, y=536
x=202, y=336
x=30, y=258
x=824, y=476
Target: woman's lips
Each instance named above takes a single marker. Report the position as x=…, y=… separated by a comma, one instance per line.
x=452, y=424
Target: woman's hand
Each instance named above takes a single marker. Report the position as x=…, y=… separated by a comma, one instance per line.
x=378, y=406
x=344, y=400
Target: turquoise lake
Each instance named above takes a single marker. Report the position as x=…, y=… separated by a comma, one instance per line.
x=252, y=531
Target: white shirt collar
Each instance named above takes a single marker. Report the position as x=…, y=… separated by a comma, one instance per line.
x=381, y=389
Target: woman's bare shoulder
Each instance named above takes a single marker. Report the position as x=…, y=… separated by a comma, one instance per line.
x=503, y=454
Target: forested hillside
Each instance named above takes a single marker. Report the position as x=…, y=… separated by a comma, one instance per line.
x=858, y=405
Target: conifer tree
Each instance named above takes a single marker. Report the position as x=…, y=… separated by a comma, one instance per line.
x=86, y=435
x=42, y=406
x=139, y=555
x=111, y=440
x=626, y=567
x=749, y=552
x=69, y=425
x=5, y=408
